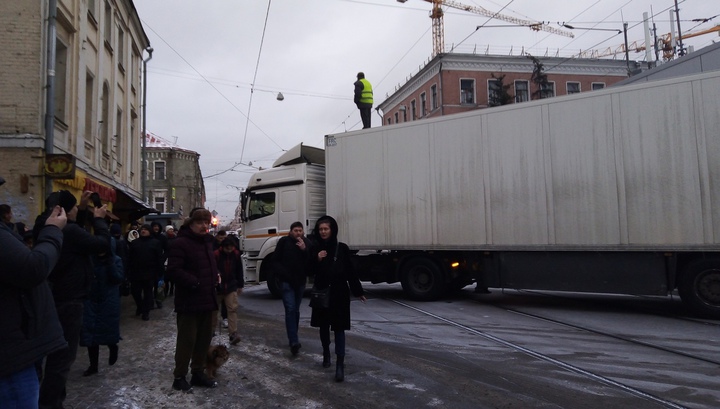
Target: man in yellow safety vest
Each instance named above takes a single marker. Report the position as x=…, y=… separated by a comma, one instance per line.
x=363, y=98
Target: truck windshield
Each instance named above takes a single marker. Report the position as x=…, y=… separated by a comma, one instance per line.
x=261, y=205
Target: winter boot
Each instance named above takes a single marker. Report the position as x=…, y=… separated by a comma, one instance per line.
x=113, y=354
x=93, y=353
x=326, y=357
x=340, y=368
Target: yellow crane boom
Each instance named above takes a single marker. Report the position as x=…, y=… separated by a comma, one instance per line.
x=439, y=31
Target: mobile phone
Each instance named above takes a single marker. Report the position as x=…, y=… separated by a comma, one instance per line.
x=95, y=198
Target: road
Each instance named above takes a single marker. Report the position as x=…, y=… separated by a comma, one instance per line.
x=508, y=349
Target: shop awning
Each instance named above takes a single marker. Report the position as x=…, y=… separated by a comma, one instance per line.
x=130, y=208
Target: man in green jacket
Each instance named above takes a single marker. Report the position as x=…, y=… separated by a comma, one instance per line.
x=363, y=98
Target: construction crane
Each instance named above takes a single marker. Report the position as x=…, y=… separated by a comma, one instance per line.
x=664, y=44
x=438, y=30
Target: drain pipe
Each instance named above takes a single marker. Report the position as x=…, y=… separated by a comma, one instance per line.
x=144, y=174
x=50, y=90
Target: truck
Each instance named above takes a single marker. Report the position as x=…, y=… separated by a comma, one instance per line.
x=610, y=191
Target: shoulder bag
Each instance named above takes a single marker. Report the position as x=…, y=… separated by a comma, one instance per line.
x=320, y=298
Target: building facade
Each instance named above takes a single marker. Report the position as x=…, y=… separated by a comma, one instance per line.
x=93, y=102
x=453, y=83
x=175, y=184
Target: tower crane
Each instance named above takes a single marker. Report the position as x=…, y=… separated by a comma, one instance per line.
x=664, y=42
x=438, y=30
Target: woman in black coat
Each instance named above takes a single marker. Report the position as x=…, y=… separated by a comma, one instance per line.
x=332, y=267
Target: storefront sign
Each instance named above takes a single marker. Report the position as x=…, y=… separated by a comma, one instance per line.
x=60, y=166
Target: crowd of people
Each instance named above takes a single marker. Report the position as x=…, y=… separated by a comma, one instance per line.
x=61, y=289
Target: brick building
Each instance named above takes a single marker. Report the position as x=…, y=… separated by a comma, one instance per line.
x=94, y=106
x=452, y=83
x=175, y=184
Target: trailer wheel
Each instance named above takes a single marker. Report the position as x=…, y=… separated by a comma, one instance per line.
x=273, y=284
x=422, y=279
x=700, y=287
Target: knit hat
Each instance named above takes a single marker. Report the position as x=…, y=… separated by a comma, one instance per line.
x=115, y=230
x=65, y=199
x=146, y=227
x=228, y=242
x=169, y=227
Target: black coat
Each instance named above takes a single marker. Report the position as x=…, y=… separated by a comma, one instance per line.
x=192, y=267
x=342, y=278
x=291, y=263
x=101, y=315
x=231, y=271
x=145, y=257
x=72, y=276
x=29, y=325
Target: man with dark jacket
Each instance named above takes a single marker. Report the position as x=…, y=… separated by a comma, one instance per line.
x=70, y=281
x=145, y=257
x=231, y=284
x=29, y=325
x=157, y=232
x=363, y=99
x=192, y=266
x=292, y=256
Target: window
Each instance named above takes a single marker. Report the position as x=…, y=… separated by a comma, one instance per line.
x=107, y=29
x=261, y=205
x=413, y=110
x=598, y=85
x=573, y=88
x=159, y=202
x=121, y=49
x=105, y=124
x=522, y=93
x=159, y=167
x=547, y=90
x=92, y=8
x=117, y=138
x=467, y=91
x=494, y=88
x=389, y=121
x=89, y=108
x=61, y=63
x=423, y=104
x=433, y=97
x=404, y=111
x=397, y=116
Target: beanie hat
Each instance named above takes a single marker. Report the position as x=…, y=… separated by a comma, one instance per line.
x=169, y=227
x=146, y=227
x=65, y=199
x=228, y=242
x=115, y=230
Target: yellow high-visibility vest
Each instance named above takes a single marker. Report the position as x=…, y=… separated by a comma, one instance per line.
x=366, y=97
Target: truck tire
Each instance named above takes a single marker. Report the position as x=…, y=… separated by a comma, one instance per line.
x=699, y=287
x=273, y=284
x=422, y=279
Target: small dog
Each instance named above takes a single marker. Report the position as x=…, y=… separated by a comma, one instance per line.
x=217, y=355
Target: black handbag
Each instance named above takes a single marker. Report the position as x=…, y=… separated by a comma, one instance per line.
x=320, y=298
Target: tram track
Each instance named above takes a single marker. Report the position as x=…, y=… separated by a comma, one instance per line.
x=560, y=363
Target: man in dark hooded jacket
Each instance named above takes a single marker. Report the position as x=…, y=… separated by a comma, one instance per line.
x=29, y=326
x=70, y=281
x=146, y=265
x=192, y=266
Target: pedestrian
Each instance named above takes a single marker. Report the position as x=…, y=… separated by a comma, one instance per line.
x=146, y=266
x=6, y=216
x=219, y=238
x=227, y=258
x=29, y=325
x=101, y=313
x=192, y=266
x=159, y=284
x=171, y=235
x=70, y=281
x=363, y=98
x=292, y=255
x=333, y=269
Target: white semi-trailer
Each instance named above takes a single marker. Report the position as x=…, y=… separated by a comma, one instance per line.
x=610, y=191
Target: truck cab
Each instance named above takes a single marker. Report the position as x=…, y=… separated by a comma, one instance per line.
x=292, y=190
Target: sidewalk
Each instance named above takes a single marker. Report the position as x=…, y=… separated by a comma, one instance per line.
x=253, y=377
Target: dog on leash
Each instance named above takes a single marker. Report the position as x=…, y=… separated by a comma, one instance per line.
x=217, y=355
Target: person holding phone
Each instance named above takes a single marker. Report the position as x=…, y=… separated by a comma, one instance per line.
x=71, y=280
x=292, y=255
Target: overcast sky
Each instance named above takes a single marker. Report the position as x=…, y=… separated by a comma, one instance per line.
x=208, y=54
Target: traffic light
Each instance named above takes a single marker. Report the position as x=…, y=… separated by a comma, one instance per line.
x=214, y=221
